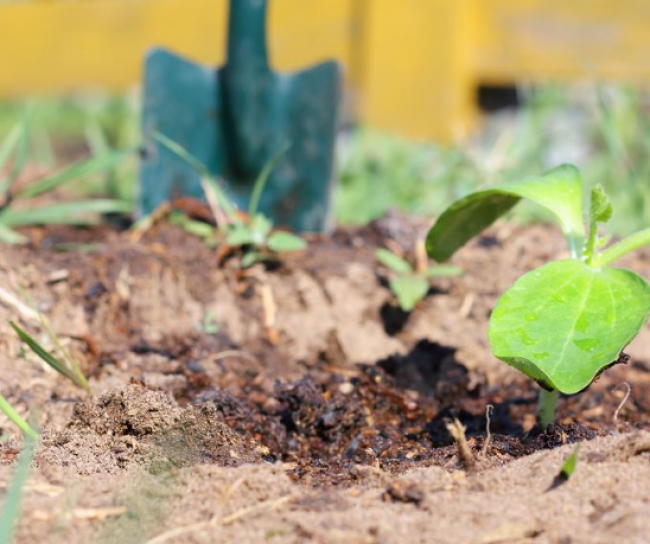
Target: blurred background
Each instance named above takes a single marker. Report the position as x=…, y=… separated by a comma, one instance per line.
x=441, y=96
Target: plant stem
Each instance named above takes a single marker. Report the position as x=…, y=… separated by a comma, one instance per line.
x=625, y=246
x=575, y=243
x=546, y=411
x=589, y=251
x=15, y=418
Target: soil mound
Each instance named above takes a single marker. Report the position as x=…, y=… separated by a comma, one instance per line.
x=133, y=424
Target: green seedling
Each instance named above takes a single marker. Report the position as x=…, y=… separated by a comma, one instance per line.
x=208, y=325
x=17, y=207
x=408, y=285
x=10, y=511
x=566, y=471
x=567, y=321
x=569, y=466
x=259, y=242
x=66, y=366
x=8, y=410
x=196, y=228
x=253, y=232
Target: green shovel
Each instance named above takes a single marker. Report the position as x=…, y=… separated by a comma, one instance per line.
x=236, y=119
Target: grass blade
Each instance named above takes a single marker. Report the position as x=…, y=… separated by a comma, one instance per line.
x=22, y=152
x=202, y=170
x=11, y=506
x=72, y=363
x=9, y=411
x=8, y=236
x=8, y=145
x=263, y=178
x=75, y=171
x=64, y=213
x=48, y=358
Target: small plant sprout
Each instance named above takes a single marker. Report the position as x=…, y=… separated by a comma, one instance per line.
x=408, y=284
x=567, y=321
x=253, y=232
x=17, y=207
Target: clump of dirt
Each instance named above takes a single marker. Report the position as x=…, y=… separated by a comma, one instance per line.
x=132, y=424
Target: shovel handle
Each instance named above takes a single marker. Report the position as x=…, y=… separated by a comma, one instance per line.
x=247, y=51
x=248, y=88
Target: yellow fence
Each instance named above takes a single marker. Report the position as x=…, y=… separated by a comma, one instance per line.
x=412, y=66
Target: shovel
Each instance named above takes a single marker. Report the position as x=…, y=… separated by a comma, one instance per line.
x=236, y=119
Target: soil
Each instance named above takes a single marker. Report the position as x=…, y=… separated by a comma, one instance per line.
x=295, y=402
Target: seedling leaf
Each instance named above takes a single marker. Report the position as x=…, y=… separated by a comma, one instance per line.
x=409, y=290
x=559, y=191
x=569, y=466
x=600, y=210
x=251, y=258
x=240, y=235
x=394, y=262
x=196, y=228
x=281, y=241
x=564, y=322
x=260, y=227
x=443, y=271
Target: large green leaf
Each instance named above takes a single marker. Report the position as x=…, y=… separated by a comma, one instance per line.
x=560, y=191
x=564, y=322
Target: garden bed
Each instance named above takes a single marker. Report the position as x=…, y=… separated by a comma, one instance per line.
x=297, y=403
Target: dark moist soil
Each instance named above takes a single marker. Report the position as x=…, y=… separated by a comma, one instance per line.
x=351, y=382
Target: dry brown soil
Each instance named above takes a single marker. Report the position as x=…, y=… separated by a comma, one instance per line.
x=295, y=403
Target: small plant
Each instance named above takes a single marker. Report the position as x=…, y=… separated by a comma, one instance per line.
x=253, y=232
x=409, y=285
x=208, y=325
x=567, y=321
x=259, y=242
x=16, y=206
